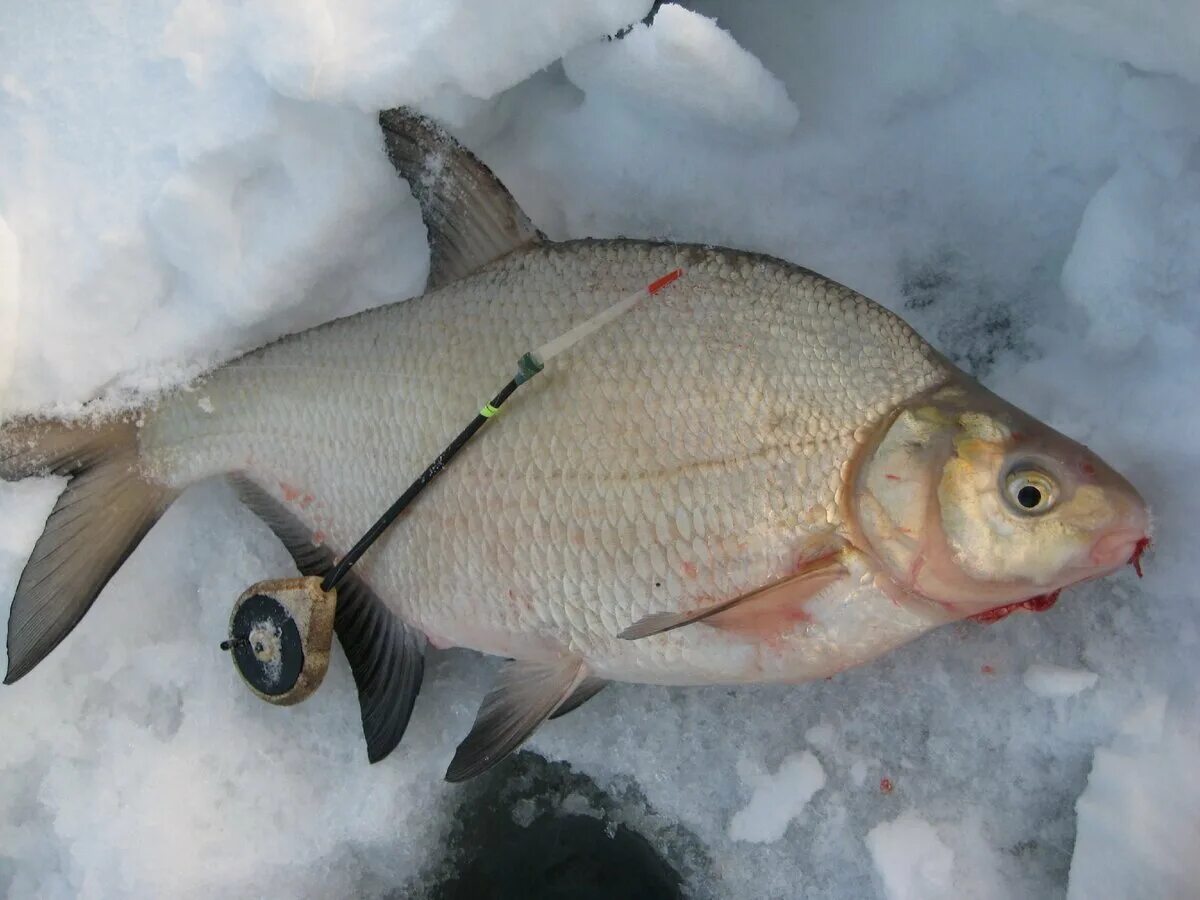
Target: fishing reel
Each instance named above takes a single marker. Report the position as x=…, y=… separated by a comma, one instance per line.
x=280, y=633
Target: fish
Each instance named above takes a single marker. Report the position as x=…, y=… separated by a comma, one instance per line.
x=755, y=475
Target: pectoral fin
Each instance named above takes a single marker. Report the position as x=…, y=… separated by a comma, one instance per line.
x=588, y=688
x=766, y=610
x=526, y=695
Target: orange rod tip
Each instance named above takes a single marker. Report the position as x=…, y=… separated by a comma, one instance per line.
x=660, y=283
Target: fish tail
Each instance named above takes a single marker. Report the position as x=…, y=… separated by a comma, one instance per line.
x=108, y=505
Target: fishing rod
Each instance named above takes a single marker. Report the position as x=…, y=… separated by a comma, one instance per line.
x=281, y=630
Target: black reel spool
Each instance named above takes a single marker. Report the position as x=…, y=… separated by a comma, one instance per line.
x=280, y=635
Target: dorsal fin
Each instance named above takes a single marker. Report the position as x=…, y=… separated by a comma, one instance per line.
x=386, y=657
x=471, y=217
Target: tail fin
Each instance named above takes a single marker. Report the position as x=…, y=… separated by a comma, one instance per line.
x=105, y=510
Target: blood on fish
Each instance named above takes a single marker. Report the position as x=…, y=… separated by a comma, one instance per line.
x=290, y=492
x=1040, y=603
x=1087, y=468
x=986, y=669
x=890, y=477
x=690, y=570
x=318, y=538
x=885, y=785
x=1136, y=559
x=797, y=615
x=995, y=615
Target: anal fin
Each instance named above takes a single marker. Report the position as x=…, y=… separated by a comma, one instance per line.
x=526, y=694
x=386, y=657
x=763, y=611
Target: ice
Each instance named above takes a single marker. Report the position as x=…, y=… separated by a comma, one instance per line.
x=911, y=859
x=1058, y=682
x=778, y=798
x=1019, y=179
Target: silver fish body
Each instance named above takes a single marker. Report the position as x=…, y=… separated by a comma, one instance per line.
x=755, y=474
x=692, y=450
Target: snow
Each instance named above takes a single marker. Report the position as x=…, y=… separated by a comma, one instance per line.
x=687, y=67
x=1019, y=179
x=1138, y=827
x=1058, y=682
x=1140, y=233
x=10, y=305
x=1159, y=36
x=777, y=799
x=911, y=859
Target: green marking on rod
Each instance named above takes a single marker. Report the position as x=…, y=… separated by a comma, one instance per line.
x=488, y=411
x=528, y=366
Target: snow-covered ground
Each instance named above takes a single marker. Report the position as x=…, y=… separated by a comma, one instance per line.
x=1020, y=179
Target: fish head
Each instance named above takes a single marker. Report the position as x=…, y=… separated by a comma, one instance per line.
x=966, y=501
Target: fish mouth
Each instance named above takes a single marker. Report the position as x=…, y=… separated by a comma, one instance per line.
x=1117, y=548
x=1135, y=558
x=1108, y=553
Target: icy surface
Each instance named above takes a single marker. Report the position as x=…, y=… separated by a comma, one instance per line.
x=1058, y=682
x=1020, y=180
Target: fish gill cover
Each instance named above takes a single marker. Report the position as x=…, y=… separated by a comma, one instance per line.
x=184, y=179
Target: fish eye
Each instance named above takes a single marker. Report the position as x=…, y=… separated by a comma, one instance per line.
x=1029, y=490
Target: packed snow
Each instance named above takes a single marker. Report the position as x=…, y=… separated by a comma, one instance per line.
x=1132, y=841
x=1058, y=682
x=778, y=797
x=685, y=67
x=912, y=861
x=184, y=179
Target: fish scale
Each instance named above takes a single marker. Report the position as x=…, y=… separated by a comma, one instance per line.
x=727, y=469
x=617, y=452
